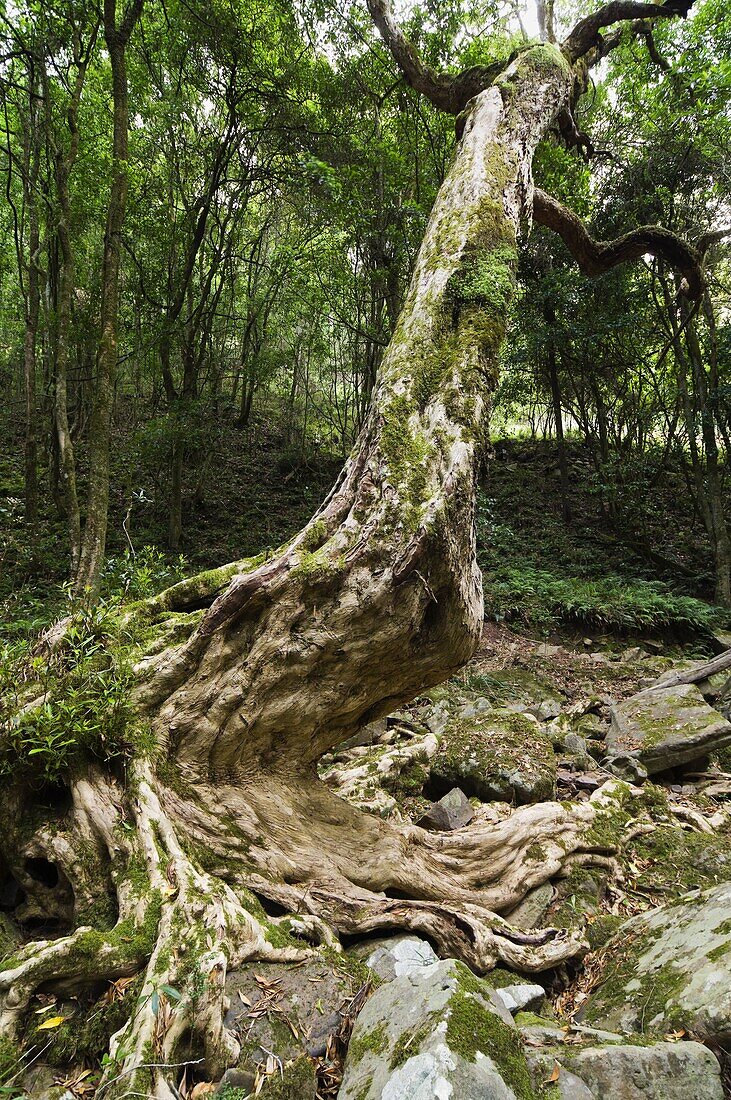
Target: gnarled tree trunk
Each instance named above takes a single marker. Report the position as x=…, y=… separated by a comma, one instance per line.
x=275, y=662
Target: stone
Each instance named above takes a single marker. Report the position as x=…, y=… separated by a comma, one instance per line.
x=628, y=768
x=531, y=910
x=432, y=1035
x=670, y=969
x=521, y=996
x=666, y=728
x=236, y=1079
x=575, y=745
x=399, y=956
x=500, y=756
x=452, y=811
x=544, y=711
x=661, y=1071
x=635, y=653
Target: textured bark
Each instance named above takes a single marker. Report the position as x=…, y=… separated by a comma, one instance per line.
x=95, y=527
x=261, y=667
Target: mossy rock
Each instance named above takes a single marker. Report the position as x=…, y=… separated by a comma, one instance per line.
x=496, y=756
x=669, y=969
x=440, y=1031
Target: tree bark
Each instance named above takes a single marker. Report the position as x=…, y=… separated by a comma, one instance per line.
x=95, y=527
x=247, y=675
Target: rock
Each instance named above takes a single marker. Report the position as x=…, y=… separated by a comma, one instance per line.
x=635, y=653
x=666, y=728
x=309, y=995
x=520, y=996
x=452, y=811
x=501, y=756
x=628, y=768
x=662, y=1071
x=546, y=650
x=400, y=956
x=432, y=1035
x=544, y=711
x=236, y=1079
x=670, y=969
x=720, y=641
x=575, y=745
x=530, y=911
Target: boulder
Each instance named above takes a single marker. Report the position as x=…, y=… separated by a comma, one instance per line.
x=399, y=956
x=666, y=728
x=452, y=811
x=521, y=995
x=661, y=1071
x=530, y=911
x=436, y=1033
x=670, y=969
x=499, y=756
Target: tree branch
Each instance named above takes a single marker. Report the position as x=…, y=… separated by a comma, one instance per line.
x=448, y=93
x=585, y=35
x=596, y=257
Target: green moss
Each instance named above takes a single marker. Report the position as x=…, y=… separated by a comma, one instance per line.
x=409, y=1042
x=315, y=535
x=374, y=1041
x=472, y=1028
x=406, y=452
x=9, y=1058
x=297, y=1081
x=354, y=970
x=9, y=937
x=85, y=1037
x=485, y=754
x=719, y=952
x=486, y=279
x=600, y=930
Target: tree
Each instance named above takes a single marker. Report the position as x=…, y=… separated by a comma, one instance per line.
x=91, y=556
x=245, y=676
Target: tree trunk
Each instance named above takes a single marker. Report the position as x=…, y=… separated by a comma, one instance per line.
x=97, y=508
x=376, y=599
x=563, y=466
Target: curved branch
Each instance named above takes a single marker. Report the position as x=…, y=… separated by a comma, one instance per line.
x=596, y=257
x=450, y=93
x=585, y=35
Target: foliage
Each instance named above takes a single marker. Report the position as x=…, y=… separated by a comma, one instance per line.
x=540, y=598
x=79, y=709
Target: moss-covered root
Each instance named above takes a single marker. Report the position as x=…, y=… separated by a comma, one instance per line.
x=203, y=930
x=70, y=963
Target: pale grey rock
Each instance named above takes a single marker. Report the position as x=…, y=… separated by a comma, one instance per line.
x=498, y=756
x=670, y=968
x=545, y=710
x=530, y=911
x=626, y=767
x=452, y=811
x=402, y=1047
x=664, y=1071
x=399, y=956
x=661, y=1071
x=666, y=728
x=522, y=995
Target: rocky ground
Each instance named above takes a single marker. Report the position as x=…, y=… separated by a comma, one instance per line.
x=645, y=1014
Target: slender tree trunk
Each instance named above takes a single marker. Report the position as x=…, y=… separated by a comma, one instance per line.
x=97, y=507
x=563, y=466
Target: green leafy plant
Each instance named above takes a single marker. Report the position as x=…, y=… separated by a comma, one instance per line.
x=71, y=705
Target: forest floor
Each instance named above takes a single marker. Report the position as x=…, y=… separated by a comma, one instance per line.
x=578, y=618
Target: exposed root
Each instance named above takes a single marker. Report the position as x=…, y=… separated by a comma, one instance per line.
x=186, y=869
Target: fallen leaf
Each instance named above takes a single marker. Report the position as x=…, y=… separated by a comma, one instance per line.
x=555, y=1074
x=52, y=1021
